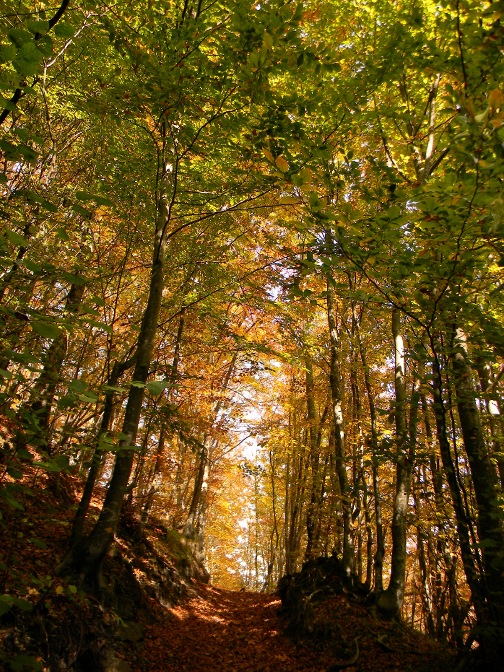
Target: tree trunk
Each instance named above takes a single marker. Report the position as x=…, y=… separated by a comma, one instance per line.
x=495, y=420
x=313, y=512
x=380, y=539
x=45, y=388
x=97, y=459
x=391, y=600
x=461, y=514
x=194, y=526
x=86, y=555
x=486, y=489
x=338, y=431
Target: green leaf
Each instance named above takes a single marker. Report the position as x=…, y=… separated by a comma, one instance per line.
x=33, y=197
x=45, y=45
x=17, y=152
x=40, y=27
x=45, y=329
x=97, y=300
x=89, y=397
x=64, y=29
x=53, y=465
x=74, y=279
x=23, y=662
x=83, y=196
x=28, y=153
x=16, y=239
x=6, y=603
x=62, y=234
x=24, y=454
x=99, y=325
x=78, y=385
x=113, y=388
x=14, y=473
x=157, y=386
x=81, y=211
x=19, y=36
x=8, y=491
x=32, y=266
x=28, y=60
x=137, y=383
x=7, y=53
x=105, y=442
x=23, y=134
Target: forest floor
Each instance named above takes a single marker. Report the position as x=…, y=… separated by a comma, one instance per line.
x=225, y=631
x=200, y=628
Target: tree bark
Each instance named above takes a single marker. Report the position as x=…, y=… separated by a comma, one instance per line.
x=391, y=600
x=338, y=429
x=461, y=514
x=486, y=485
x=85, y=558
x=97, y=459
x=44, y=389
x=313, y=512
x=380, y=539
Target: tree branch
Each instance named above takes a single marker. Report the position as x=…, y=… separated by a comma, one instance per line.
x=18, y=93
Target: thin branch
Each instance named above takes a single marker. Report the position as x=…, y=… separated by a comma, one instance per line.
x=18, y=93
x=461, y=48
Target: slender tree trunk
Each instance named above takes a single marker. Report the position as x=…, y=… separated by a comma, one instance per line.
x=151, y=485
x=494, y=416
x=380, y=539
x=44, y=389
x=313, y=512
x=194, y=526
x=97, y=459
x=295, y=479
x=86, y=555
x=339, y=442
x=461, y=514
x=391, y=600
x=486, y=487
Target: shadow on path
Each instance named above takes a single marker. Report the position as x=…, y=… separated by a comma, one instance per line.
x=224, y=631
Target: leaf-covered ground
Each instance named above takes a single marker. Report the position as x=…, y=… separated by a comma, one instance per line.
x=209, y=630
x=223, y=631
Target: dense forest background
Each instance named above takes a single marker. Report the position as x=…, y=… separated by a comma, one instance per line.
x=251, y=284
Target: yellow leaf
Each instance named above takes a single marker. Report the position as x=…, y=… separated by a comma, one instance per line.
x=306, y=175
x=495, y=99
x=268, y=154
x=59, y=590
x=282, y=164
x=268, y=40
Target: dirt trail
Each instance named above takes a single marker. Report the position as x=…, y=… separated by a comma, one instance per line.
x=224, y=631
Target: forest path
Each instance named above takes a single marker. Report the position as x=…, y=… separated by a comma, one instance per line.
x=225, y=631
